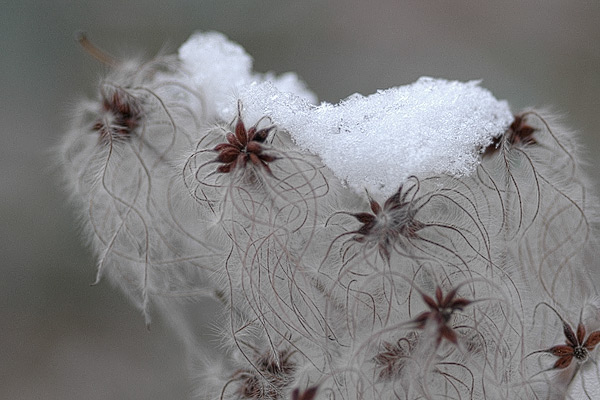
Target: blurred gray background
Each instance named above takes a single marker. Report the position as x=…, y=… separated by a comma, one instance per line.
x=61, y=338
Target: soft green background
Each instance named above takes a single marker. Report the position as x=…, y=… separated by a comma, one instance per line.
x=61, y=338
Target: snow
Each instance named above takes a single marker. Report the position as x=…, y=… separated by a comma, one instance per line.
x=433, y=126
x=375, y=142
x=218, y=67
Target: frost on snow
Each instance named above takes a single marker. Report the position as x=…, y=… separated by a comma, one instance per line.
x=432, y=126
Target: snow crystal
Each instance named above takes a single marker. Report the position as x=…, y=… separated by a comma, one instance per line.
x=433, y=126
x=219, y=67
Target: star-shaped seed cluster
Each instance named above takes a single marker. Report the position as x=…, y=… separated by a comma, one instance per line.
x=243, y=146
x=440, y=311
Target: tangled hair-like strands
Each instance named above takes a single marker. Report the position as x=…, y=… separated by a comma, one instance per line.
x=415, y=227
x=269, y=216
x=258, y=171
x=540, y=166
x=432, y=292
x=121, y=115
x=120, y=159
x=267, y=380
x=578, y=345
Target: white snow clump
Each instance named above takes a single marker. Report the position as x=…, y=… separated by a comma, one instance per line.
x=375, y=142
x=220, y=67
x=433, y=126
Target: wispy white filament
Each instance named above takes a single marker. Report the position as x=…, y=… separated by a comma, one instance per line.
x=419, y=242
